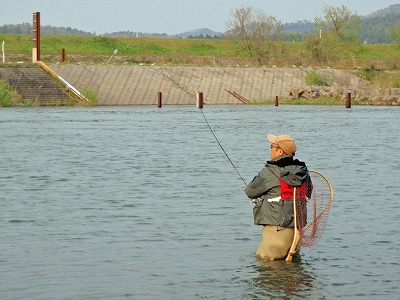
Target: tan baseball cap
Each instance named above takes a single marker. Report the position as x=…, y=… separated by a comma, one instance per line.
x=285, y=142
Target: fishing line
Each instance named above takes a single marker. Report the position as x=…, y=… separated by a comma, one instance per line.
x=186, y=90
x=226, y=154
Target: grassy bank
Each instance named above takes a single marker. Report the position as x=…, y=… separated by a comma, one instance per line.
x=377, y=64
x=187, y=52
x=10, y=97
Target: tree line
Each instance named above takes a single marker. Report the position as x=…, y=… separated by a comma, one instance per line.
x=374, y=29
x=334, y=36
x=26, y=28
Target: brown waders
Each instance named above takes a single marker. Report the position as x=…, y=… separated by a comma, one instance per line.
x=275, y=242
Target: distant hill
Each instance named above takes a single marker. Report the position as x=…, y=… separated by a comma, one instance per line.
x=297, y=31
x=392, y=9
x=131, y=34
x=375, y=26
x=304, y=26
x=198, y=33
x=374, y=29
x=203, y=32
x=26, y=28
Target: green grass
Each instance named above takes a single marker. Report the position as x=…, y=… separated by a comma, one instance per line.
x=9, y=96
x=90, y=95
x=315, y=78
x=315, y=101
x=22, y=44
x=181, y=51
x=301, y=101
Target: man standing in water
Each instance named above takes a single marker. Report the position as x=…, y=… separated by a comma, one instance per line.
x=272, y=190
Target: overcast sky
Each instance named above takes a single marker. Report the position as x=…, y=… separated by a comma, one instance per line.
x=165, y=16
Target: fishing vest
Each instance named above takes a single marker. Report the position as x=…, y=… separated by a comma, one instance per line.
x=288, y=190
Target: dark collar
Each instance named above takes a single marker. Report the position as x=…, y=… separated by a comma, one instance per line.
x=285, y=160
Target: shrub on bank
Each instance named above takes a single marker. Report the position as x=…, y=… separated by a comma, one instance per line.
x=90, y=95
x=9, y=96
x=315, y=78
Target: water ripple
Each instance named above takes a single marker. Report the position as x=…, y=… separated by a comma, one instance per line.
x=108, y=203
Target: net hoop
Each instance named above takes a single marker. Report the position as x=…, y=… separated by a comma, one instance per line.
x=311, y=211
x=317, y=211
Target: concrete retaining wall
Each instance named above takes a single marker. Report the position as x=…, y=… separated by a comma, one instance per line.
x=133, y=85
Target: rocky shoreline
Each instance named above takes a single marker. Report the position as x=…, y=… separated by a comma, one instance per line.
x=370, y=96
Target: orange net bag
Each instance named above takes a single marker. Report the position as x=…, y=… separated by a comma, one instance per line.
x=313, y=209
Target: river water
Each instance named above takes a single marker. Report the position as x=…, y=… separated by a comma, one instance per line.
x=142, y=203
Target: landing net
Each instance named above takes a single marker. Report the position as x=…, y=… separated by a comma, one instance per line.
x=312, y=213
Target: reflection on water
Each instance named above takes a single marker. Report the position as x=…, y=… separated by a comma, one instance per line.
x=286, y=280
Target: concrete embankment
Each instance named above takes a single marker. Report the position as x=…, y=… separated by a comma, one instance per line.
x=134, y=85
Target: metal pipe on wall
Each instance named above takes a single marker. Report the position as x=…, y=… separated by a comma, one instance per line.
x=36, y=37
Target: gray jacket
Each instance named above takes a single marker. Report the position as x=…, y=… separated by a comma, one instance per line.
x=271, y=210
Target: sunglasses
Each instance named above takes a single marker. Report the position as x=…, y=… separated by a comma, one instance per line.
x=273, y=146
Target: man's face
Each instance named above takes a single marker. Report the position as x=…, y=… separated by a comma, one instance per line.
x=276, y=151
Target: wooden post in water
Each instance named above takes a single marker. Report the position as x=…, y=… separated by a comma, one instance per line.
x=62, y=55
x=276, y=101
x=36, y=37
x=200, y=101
x=348, y=100
x=159, y=99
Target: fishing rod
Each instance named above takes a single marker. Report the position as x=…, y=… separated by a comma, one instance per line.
x=186, y=90
x=220, y=145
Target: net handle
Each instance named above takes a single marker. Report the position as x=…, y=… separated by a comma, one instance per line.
x=297, y=235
